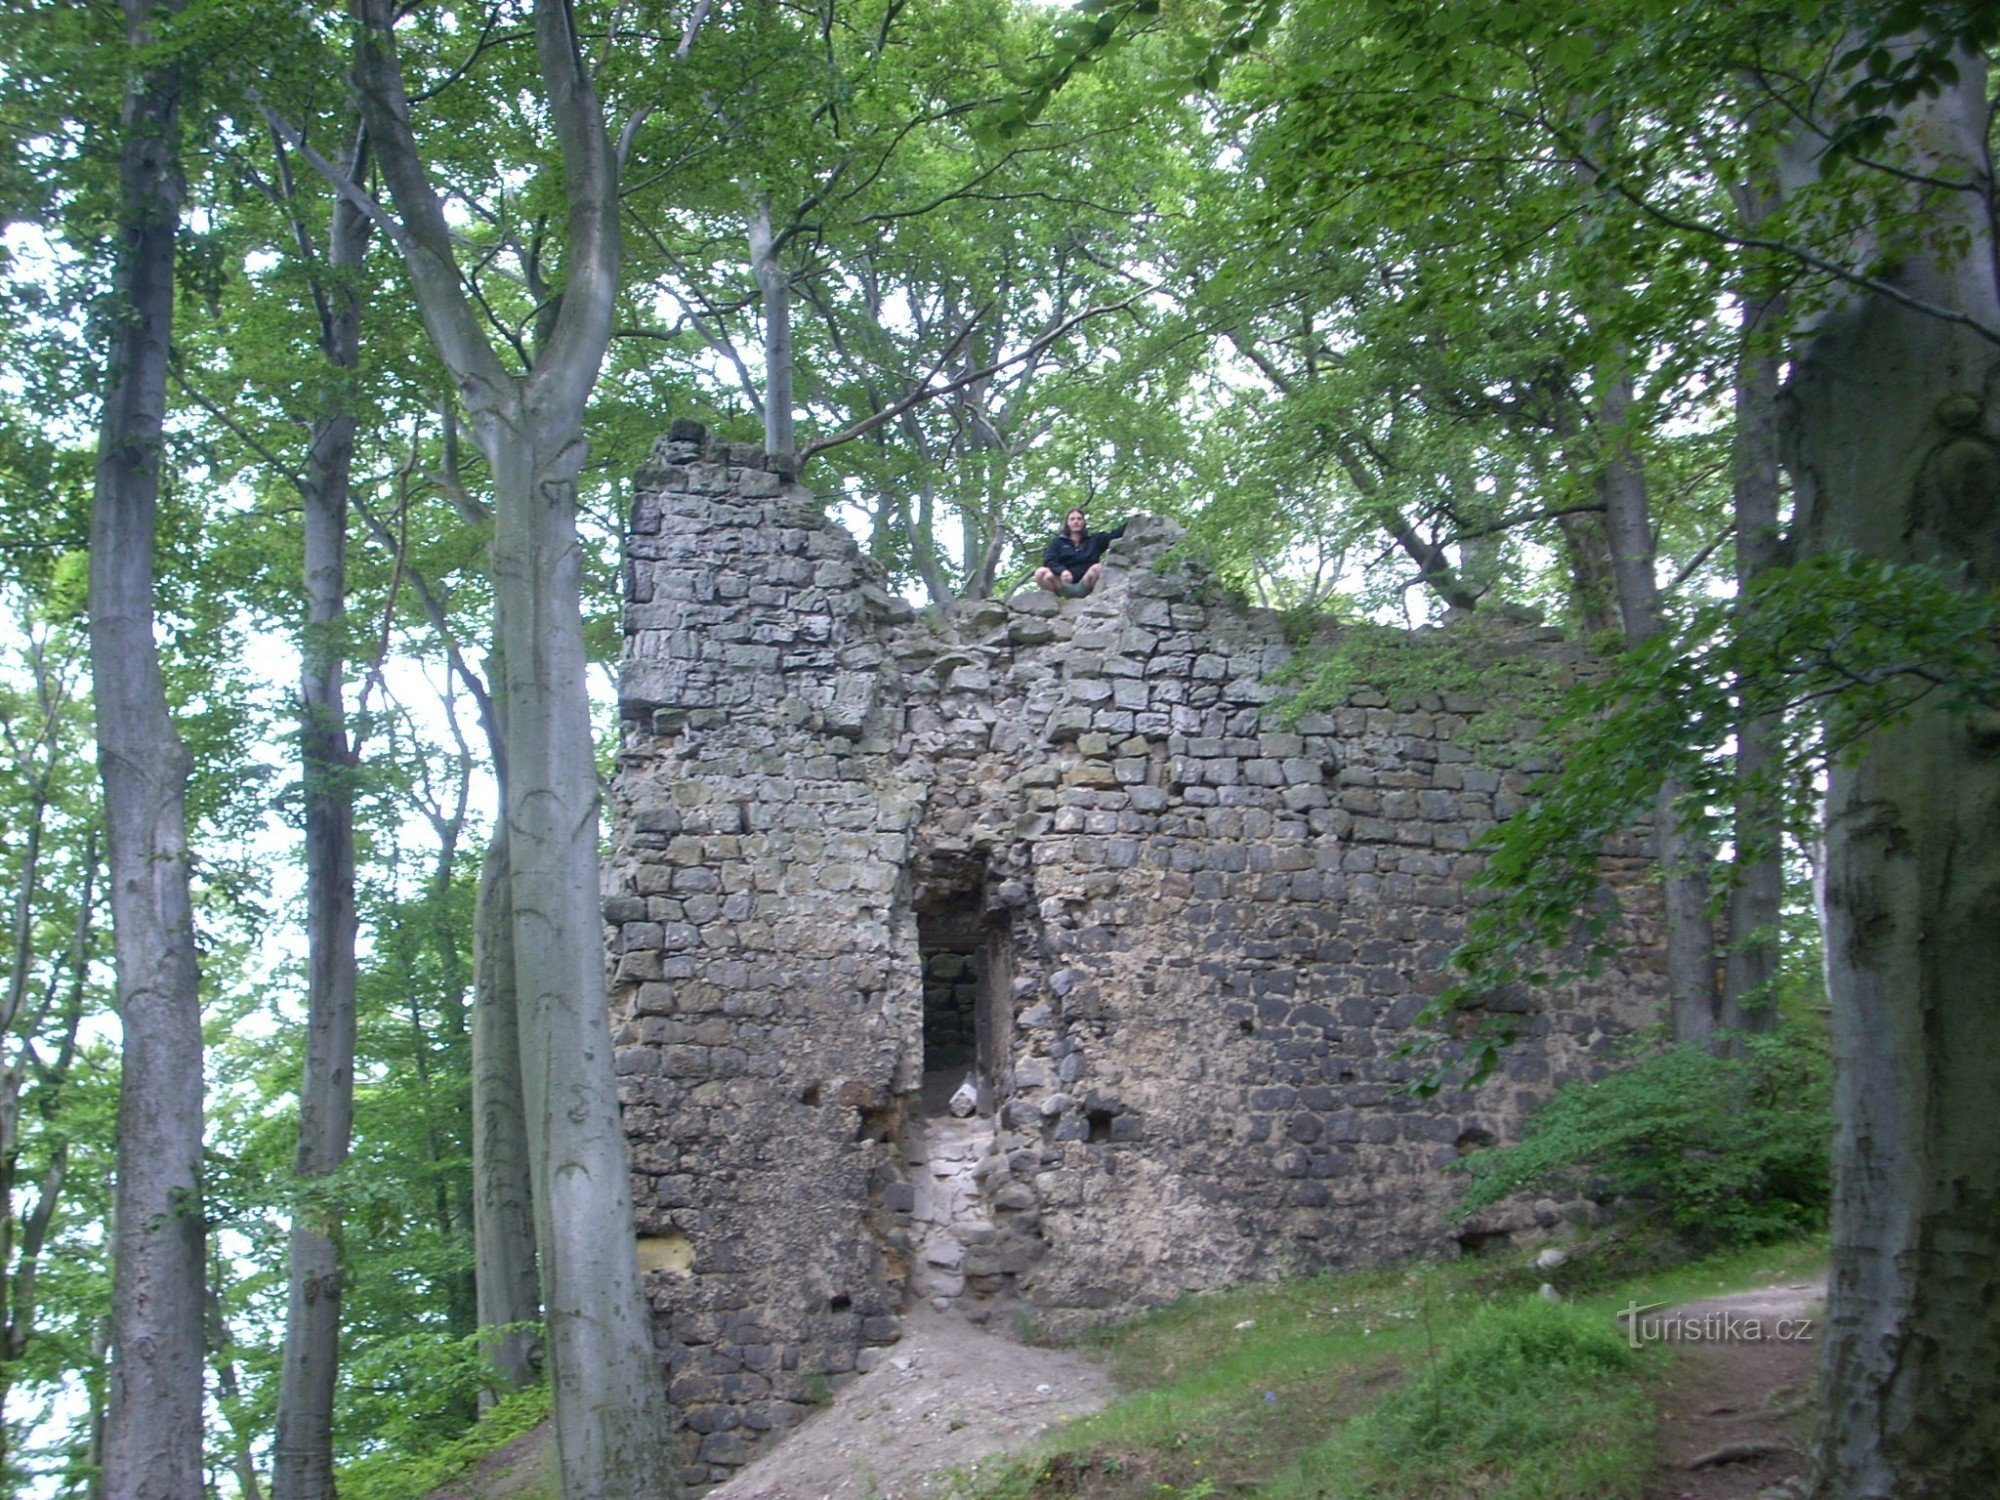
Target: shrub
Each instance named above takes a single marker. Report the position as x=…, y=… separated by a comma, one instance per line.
x=1530, y=1402
x=395, y=1475
x=1722, y=1150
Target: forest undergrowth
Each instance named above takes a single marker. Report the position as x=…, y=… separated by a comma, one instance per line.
x=1450, y=1378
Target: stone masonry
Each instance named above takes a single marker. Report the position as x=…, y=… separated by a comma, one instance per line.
x=1170, y=940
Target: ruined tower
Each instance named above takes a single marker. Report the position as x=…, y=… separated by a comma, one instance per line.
x=1065, y=860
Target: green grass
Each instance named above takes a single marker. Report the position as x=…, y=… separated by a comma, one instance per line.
x=1400, y=1384
x=1533, y=1401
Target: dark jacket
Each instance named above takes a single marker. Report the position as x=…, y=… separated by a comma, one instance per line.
x=1064, y=556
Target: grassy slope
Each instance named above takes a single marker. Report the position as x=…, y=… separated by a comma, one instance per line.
x=1450, y=1378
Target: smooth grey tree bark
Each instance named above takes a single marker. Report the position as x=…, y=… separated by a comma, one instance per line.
x=611, y=1414
x=503, y=1199
x=775, y=289
x=1893, y=439
x=1749, y=1001
x=1686, y=861
x=152, y=1444
x=609, y=1392
x=302, y=1457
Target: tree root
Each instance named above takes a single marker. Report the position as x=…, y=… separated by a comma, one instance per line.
x=1738, y=1453
x=1776, y=1413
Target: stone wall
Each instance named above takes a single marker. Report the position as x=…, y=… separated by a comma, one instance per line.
x=1192, y=936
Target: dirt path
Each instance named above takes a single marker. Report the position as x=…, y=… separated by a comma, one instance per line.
x=1742, y=1368
x=951, y=1394
x=945, y=1396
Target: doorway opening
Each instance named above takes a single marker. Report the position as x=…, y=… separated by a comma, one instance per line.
x=967, y=1012
x=967, y=958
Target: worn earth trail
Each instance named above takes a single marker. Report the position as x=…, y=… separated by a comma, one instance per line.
x=946, y=1396
x=950, y=1395
x=1733, y=1421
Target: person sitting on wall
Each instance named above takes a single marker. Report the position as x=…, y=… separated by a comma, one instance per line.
x=1073, y=561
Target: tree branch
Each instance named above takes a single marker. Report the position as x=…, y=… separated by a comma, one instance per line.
x=932, y=393
x=479, y=46
x=1844, y=274
x=236, y=429
x=582, y=331
x=422, y=235
x=339, y=181
x=440, y=622
x=696, y=18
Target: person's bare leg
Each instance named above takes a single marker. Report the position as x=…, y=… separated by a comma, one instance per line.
x=1095, y=572
x=1046, y=581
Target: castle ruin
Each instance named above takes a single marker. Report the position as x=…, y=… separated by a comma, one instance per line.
x=1067, y=861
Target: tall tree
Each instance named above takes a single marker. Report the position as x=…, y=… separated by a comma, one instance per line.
x=303, y=1456
x=610, y=1406
x=1756, y=894
x=503, y=1194
x=1894, y=441
x=506, y=1283
x=152, y=1445
x=1685, y=858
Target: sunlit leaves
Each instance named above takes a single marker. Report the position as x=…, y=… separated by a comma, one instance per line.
x=1837, y=647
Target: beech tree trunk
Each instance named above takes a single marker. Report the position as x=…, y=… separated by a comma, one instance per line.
x=1686, y=862
x=503, y=1233
x=1757, y=889
x=610, y=1393
x=776, y=292
x=1893, y=437
x=610, y=1399
x=302, y=1458
x=152, y=1445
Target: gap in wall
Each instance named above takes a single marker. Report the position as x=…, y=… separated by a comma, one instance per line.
x=950, y=944
x=967, y=956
